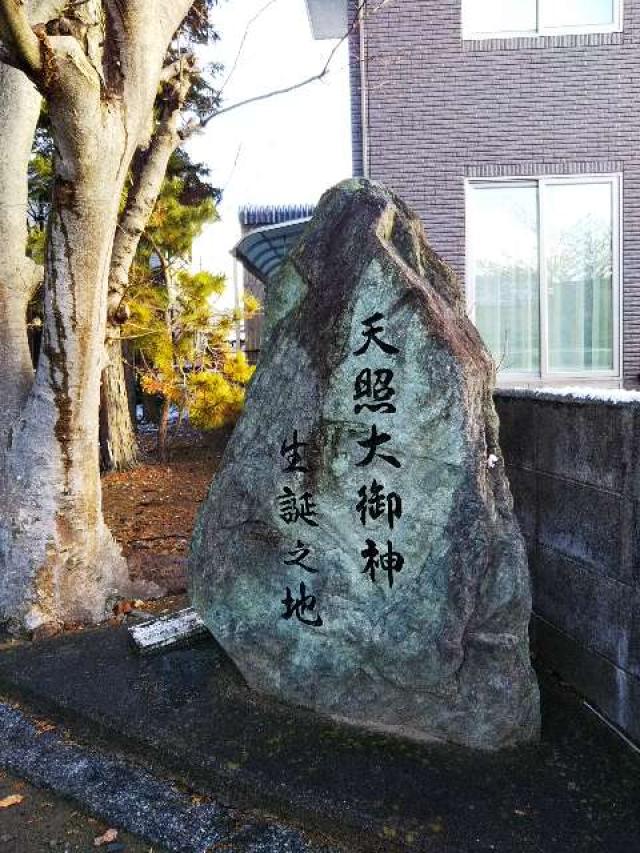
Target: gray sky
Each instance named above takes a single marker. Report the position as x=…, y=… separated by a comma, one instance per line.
x=285, y=150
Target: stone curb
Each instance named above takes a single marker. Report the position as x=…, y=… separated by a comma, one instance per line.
x=131, y=798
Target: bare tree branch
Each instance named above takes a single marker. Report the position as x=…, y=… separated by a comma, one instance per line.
x=18, y=37
x=257, y=98
x=148, y=174
x=250, y=23
x=233, y=168
x=175, y=69
x=194, y=126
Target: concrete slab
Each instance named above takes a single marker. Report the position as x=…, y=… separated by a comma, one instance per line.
x=188, y=712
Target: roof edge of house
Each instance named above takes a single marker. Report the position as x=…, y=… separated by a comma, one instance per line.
x=258, y=215
x=328, y=18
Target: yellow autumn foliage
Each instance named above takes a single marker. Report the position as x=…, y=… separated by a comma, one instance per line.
x=237, y=369
x=214, y=401
x=183, y=353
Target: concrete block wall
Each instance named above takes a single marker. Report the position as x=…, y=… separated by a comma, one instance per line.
x=439, y=109
x=574, y=468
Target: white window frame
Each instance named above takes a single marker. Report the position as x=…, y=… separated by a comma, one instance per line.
x=544, y=376
x=614, y=27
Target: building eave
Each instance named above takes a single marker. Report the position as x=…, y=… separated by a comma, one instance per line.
x=328, y=18
x=263, y=250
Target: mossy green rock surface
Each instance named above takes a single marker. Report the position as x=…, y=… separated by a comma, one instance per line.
x=357, y=552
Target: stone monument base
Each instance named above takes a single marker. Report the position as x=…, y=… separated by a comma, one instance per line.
x=189, y=713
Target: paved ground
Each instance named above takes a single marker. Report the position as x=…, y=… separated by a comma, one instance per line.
x=188, y=712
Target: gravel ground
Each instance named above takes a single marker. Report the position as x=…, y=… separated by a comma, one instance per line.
x=123, y=794
x=43, y=821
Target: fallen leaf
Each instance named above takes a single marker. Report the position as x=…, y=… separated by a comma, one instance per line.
x=44, y=726
x=109, y=836
x=11, y=800
x=122, y=608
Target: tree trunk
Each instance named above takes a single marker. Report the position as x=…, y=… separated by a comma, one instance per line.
x=118, y=448
x=163, y=431
x=129, y=364
x=19, y=111
x=65, y=564
x=58, y=561
x=118, y=445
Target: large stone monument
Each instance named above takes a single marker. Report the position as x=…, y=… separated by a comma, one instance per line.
x=357, y=552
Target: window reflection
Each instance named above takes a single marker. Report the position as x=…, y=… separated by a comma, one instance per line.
x=577, y=13
x=569, y=228
x=505, y=251
x=579, y=259
x=489, y=17
x=500, y=16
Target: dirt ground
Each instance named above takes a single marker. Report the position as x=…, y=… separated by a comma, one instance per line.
x=151, y=510
x=43, y=822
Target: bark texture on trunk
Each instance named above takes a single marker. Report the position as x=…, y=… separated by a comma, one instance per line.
x=19, y=111
x=118, y=445
x=150, y=168
x=163, y=432
x=63, y=563
x=58, y=561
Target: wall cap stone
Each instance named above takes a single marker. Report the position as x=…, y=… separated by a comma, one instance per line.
x=574, y=395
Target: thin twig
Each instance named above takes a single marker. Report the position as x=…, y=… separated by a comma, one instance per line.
x=250, y=23
x=286, y=89
x=225, y=186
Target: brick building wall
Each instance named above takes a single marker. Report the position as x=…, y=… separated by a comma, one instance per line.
x=355, y=85
x=439, y=109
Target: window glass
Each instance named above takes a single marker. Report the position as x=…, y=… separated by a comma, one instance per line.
x=577, y=13
x=500, y=16
x=578, y=244
x=505, y=256
x=568, y=227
